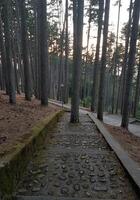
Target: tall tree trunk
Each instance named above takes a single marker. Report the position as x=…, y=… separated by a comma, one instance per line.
x=32, y=63
x=43, y=46
x=60, y=70
x=3, y=58
x=25, y=53
x=96, y=63
x=36, y=52
x=85, y=74
x=125, y=60
x=103, y=62
x=137, y=93
x=18, y=45
x=15, y=66
x=118, y=95
x=78, y=12
x=66, y=86
x=10, y=69
x=115, y=59
x=131, y=62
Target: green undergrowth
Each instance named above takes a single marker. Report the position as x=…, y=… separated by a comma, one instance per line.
x=138, y=113
x=86, y=102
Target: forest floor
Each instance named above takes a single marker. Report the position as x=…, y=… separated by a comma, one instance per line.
x=16, y=121
x=128, y=141
x=115, y=120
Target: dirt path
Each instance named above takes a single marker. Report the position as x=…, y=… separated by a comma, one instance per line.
x=75, y=163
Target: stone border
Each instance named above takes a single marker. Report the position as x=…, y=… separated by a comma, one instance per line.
x=130, y=165
x=13, y=166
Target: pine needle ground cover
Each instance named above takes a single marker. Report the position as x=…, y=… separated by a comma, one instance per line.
x=16, y=121
x=128, y=141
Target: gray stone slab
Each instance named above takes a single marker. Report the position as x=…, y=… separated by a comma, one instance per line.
x=75, y=167
x=130, y=165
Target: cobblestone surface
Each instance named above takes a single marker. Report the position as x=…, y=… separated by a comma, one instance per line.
x=75, y=163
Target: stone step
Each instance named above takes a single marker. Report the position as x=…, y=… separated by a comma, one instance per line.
x=49, y=198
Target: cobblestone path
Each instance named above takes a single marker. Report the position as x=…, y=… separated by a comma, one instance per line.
x=75, y=163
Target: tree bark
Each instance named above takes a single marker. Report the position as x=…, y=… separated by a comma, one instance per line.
x=3, y=58
x=60, y=70
x=115, y=60
x=137, y=93
x=103, y=62
x=125, y=60
x=43, y=47
x=96, y=63
x=85, y=74
x=66, y=86
x=78, y=12
x=15, y=66
x=131, y=62
x=25, y=53
x=36, y=52
x=10, y=69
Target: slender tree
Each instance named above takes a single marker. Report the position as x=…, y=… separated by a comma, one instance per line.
x=85, y=74
x=3, y=58
x=125, y=60
x=78, y=9
x=10, y=69
x=36, y=52
x=43, y=47
x=25, y=52
x=66, y=86
x=137, y=93
x=96, y=63
x=115, y=57
x=131, y=62
x=103, y=62
x=60, y=72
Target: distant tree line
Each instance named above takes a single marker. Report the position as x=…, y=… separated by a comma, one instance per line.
x=40, y=57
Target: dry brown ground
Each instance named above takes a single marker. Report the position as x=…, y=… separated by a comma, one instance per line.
x=17, y=120
x=128, y=141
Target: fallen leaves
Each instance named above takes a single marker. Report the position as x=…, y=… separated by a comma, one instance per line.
x=17, y=120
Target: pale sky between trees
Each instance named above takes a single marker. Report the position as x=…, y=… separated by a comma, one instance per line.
x=123, y=14
x=114, y=17
x=112, y=21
